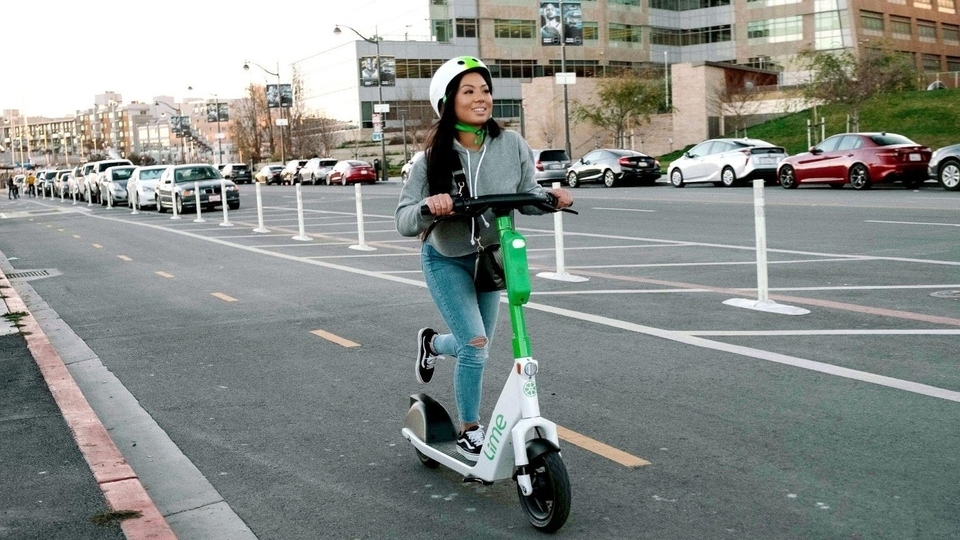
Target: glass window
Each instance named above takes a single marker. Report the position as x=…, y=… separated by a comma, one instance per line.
x=591, y=31
x=625, y=2
x=953, y=63
x=931, y=62
x=442, y=30
x=629, y=33
x=889, y=139
x=829, y=145
x=512, y=69
x=514, y=28
x=947, y=6
x=950, y=33
x=775, y=30
x=466, y=28
x=922, y=4
x=900, y=26
x=686, y=5
x=849, y=142
x=701, y=149
x=927, y=31
x=871, y=20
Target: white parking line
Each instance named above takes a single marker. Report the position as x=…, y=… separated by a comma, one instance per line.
x=912, y=223
x=622, y=209
x=890, y=332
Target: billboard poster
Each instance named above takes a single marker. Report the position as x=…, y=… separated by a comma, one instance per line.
x=388, y=70
x=561, y=23
x=223, y=112
x=550, y=27
x=572, y=23
x=211, y=112
x=369, y=71
x=273, y=96
x=286, y=96
x=175, y=124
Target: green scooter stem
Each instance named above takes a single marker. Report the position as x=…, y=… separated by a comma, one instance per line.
x=516, y=270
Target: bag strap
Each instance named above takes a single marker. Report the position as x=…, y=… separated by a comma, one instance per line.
x=459, y=181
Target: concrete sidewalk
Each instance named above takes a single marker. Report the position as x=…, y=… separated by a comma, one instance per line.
x=59, y=470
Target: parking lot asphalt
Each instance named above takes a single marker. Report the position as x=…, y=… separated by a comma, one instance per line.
x=61, y=476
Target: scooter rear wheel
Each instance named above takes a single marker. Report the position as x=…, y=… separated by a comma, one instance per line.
x=429, y=463
x=548, y=506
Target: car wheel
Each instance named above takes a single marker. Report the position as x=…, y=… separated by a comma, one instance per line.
x=728, y=177
x=572, y=180
x=160, y=207
x=676, y=178
x=609, y=179
x=233, y=206
x=788, y=179
x=859, y=176
x=179, y=202
x=949, y=176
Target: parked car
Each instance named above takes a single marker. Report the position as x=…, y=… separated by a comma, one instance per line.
x=316, y=169
x=727, y=162
x=352, y=171
x=405, y=170
x=944, y=166
x=613, y=166
x=291, y=171
x=237, y=172
x=94, y=177
x=177, y=184
x=551, y=166
x=270, y=174
x=45, y=182
x=114, y=186
x=143, y=182
x=81, y=180
x=61, y=185
x=862, y=159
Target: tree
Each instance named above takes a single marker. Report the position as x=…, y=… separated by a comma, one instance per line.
x=250, y=116
x=842, y=77
x=622, y=101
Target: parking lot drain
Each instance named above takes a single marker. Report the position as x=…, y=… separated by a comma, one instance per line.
x=953, y=295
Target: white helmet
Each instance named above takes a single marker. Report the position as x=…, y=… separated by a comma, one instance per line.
x=448, y=71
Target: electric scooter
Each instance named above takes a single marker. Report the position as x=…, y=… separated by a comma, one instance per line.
x=519, y=443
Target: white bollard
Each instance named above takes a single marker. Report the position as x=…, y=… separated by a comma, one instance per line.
x=763, y=302
x=261, y=228
x=61, y=191
x=89, y=194
x=223, y=201
x=133, y=199
x=196, y=197
x=73, y=193
x=362, y=246
x=109, y=199
x=561, y=273
x=303, y=229
x=173, y=200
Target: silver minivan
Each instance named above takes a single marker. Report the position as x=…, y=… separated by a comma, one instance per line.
x=551, y=166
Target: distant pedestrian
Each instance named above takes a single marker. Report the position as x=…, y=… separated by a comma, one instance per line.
x=31, y=185
x=9, y=183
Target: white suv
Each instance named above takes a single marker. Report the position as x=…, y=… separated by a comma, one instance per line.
x=94, y=176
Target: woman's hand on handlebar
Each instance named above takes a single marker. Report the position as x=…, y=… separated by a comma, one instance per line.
x=439, y=205
x=564, y=198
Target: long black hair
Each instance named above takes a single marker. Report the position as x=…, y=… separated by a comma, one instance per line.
x=440, y=155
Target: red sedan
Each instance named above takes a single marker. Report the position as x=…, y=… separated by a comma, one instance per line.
x=863, y=159
x=351, y=172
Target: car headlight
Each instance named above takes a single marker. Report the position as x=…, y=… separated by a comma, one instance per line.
x=232, y=188
x=186, y=193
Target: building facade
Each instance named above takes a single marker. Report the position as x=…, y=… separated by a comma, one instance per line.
x=628, y=34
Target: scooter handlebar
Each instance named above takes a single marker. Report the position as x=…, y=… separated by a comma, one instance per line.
x=501, y=203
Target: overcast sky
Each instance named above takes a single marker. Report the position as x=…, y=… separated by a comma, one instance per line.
x=58, y=54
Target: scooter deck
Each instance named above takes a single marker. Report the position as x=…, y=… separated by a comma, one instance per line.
x=450, y=448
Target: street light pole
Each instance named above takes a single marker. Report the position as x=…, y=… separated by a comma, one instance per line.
x=246, y=67
x=183, y=157
x=383, y=119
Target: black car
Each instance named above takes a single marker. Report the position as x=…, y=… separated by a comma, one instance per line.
x=944, y=167
x=614, y=166
x=238, y=172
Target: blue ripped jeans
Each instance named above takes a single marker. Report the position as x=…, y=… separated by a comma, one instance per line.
x=471, y=317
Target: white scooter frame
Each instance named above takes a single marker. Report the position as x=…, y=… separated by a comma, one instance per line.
x=519, y=443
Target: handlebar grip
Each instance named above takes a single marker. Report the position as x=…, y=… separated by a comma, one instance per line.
x=425, y=210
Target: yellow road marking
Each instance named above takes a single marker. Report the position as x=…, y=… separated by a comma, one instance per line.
x=223, y=297
x=98, y=246
x=334, y=338
x=164, y=274
x=124, y=258
x=597, y=447
x=77, y=236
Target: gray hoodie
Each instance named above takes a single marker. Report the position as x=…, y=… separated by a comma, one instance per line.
x=502, y=165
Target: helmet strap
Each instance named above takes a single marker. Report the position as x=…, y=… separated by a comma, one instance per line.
x=479, y=134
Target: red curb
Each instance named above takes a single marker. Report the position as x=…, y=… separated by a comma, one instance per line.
x=119, y=483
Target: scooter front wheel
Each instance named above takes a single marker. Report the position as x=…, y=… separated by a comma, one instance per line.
x=428, y=462
x=548, y=506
